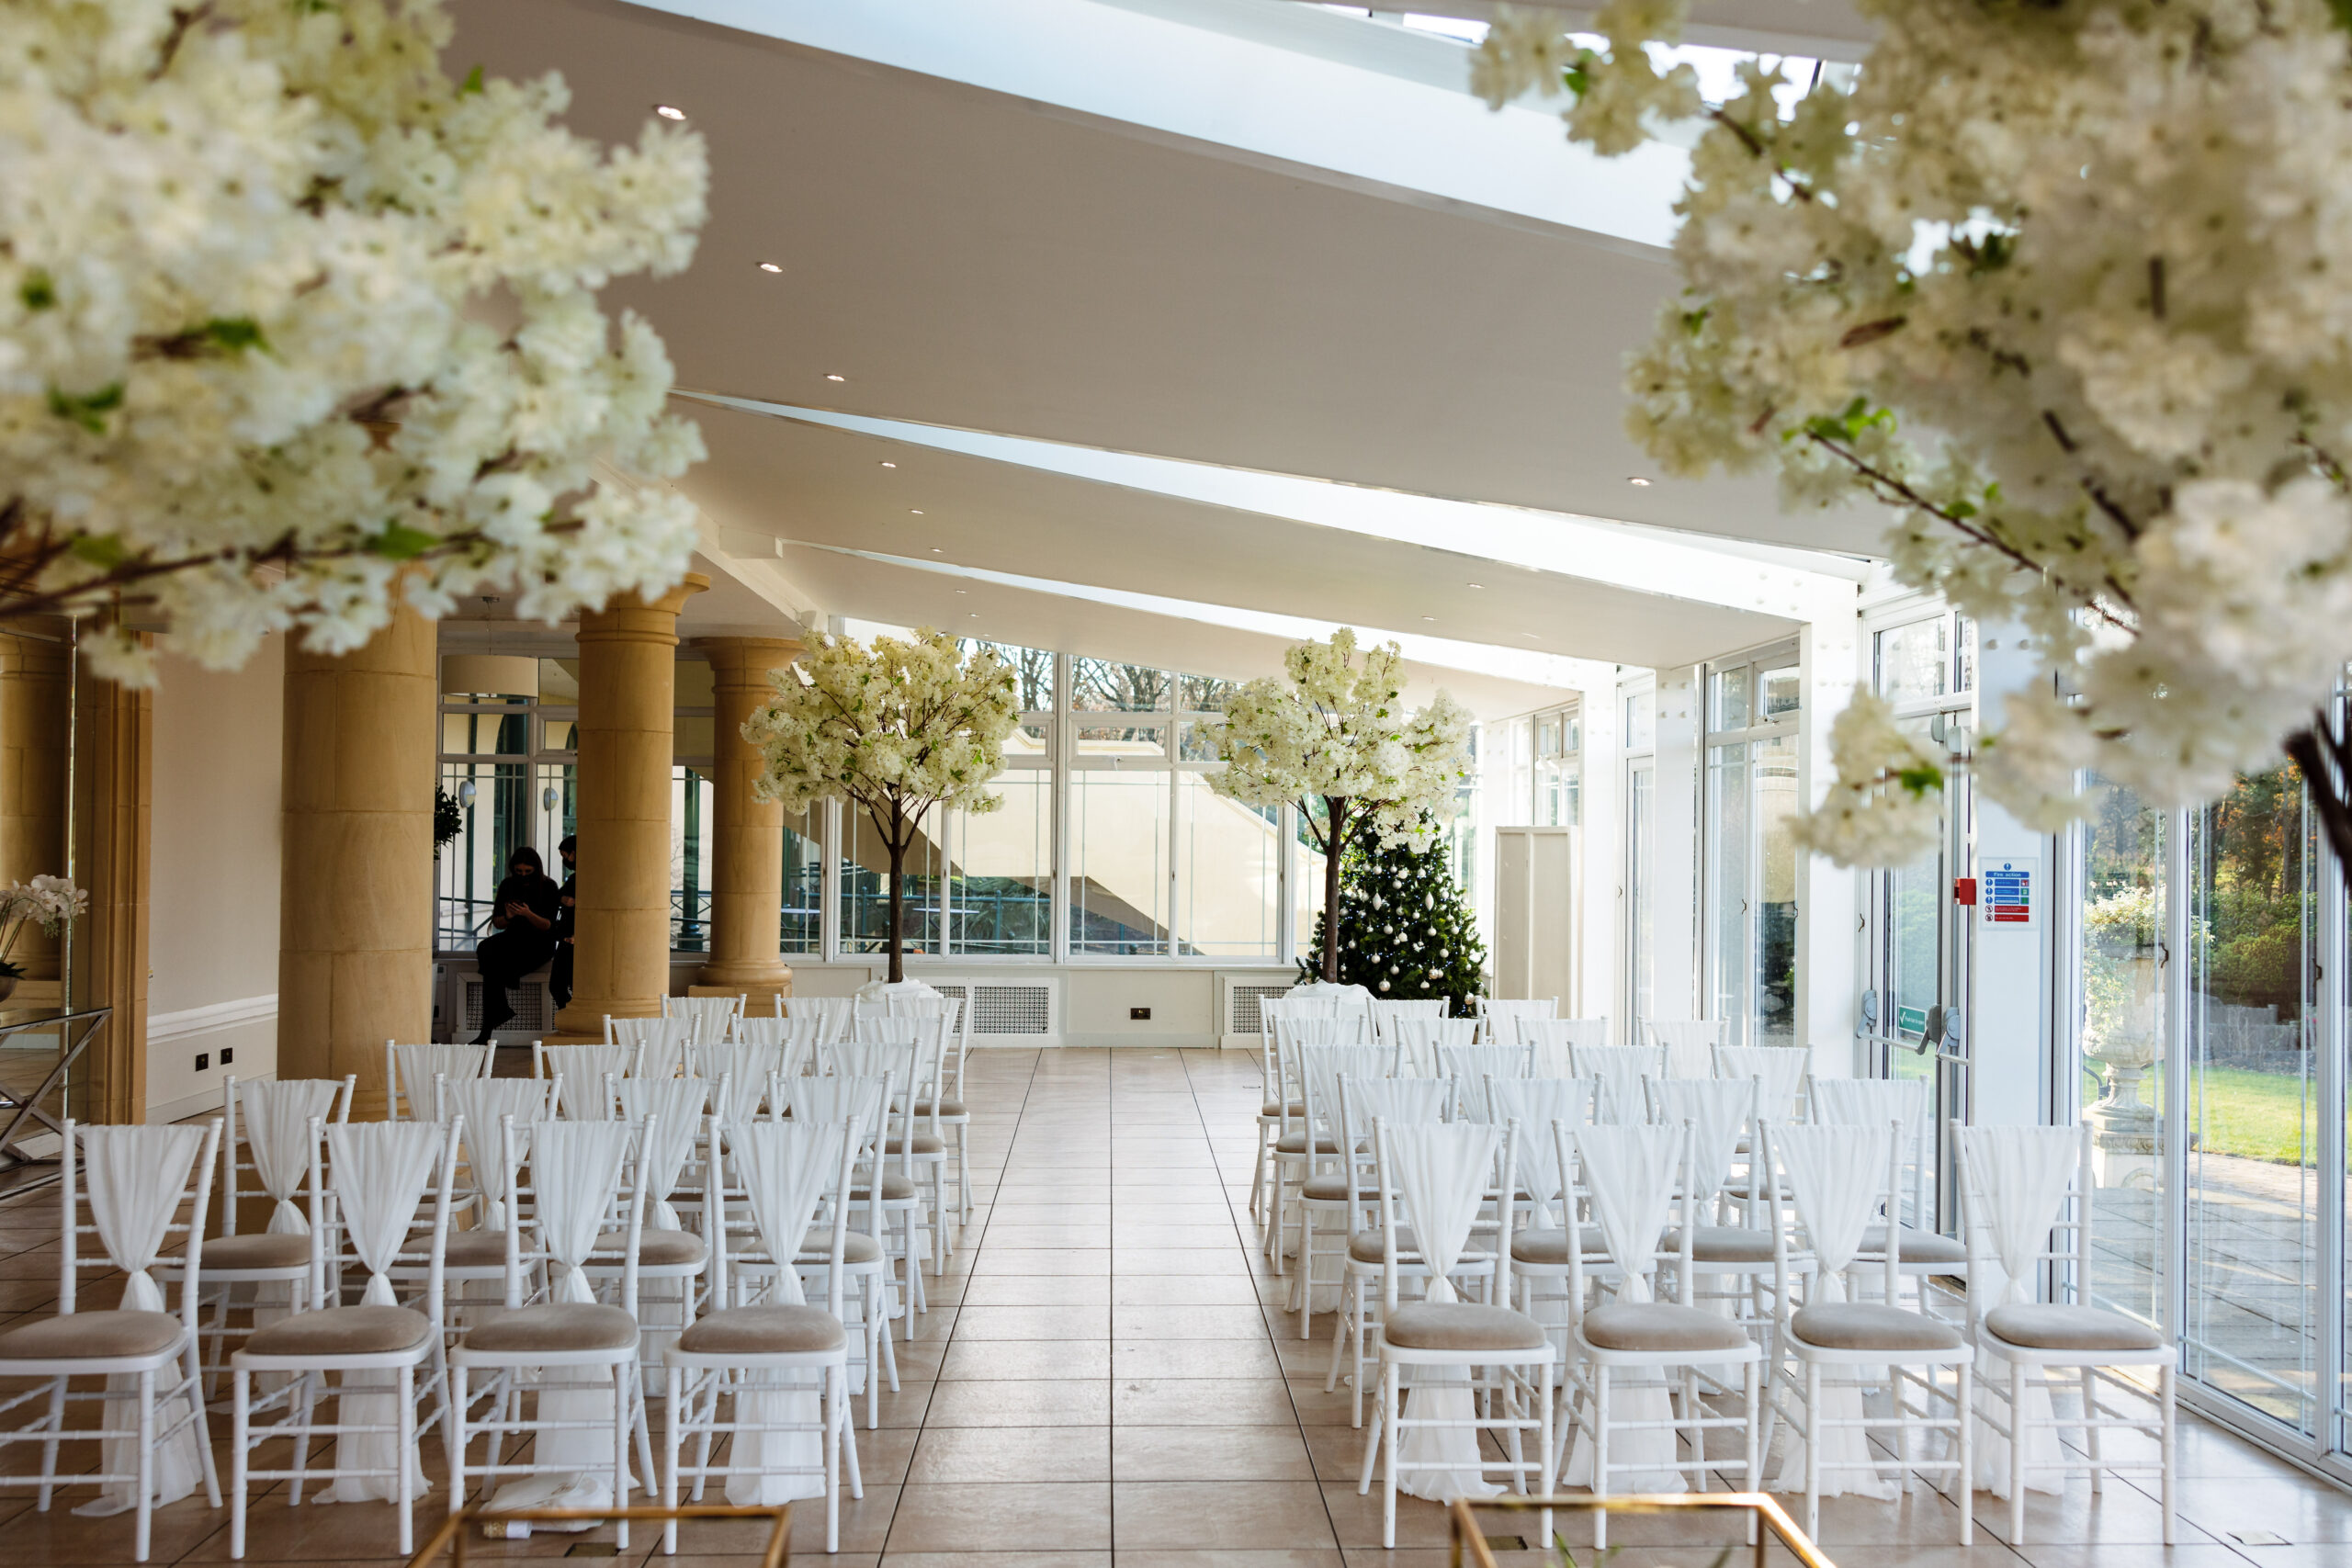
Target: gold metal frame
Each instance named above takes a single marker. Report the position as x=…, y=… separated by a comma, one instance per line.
x=459, y=1526
x=1471, y=1551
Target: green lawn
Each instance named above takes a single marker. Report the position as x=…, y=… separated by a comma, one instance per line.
x=2257, y=1115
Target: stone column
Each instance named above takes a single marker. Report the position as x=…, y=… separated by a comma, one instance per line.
x=354, y=965
x=747, y=835
x=36, y=694
x=114, y=799
x=629, y=685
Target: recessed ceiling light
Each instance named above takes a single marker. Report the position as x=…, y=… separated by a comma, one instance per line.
x=976, y=614
x=961, y=591
x=1474, y=585
x=1635, y=479
x=889, y=465
x=1531, y=637
x=830, y=376
x=667, y=112
x=937, y=551
x=1429, y=618
x=914, y=512
x=770, y=266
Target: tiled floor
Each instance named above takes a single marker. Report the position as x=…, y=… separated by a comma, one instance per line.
x=1106, y=1373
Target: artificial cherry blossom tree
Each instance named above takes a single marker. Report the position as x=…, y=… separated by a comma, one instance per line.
x=1336, y=736
x=895, y=730
x=290, y=322
x=2068, y=285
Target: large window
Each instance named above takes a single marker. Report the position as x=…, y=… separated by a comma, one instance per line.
x=1751, y=933
x=506, y=760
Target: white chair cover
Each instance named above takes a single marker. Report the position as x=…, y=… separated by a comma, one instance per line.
x=786, y=1168
x=817, y=1101
x=1441, y=1176
x=1622, y=1103
x=1553, y=1041
x=2023, y=1175
x=1837, y=1177
x=1866, y=1102
x=575, y=1174
x=801, y=1033
x=1535, y=1104
x=832, y=1015
x=1690, y=1046
x=418, y=1064
x=1320, y=1067
x=664, y=1040
x=583, y=1069
x=1404, y=1102
x=1471, y=1065
x=379, y=1171
x=1349, y=1000
x=1629, y=1174
x=1384, y=1014
x=1419, y=1038
x=676, y=1105
x=707, y=1017
x=274, y=1118
x=1718, y=1110
x=481, y=1102
x=1500, y=1015
x=134, y=1177
x=746, y=1068
x=1781, y=1068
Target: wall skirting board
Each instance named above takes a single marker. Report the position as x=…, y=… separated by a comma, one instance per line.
x=176, y=1087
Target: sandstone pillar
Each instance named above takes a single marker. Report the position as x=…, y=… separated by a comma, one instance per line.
x=113, y=801
x=35, y=698
x=747, y=835
x=354, y=964
x=629, y=682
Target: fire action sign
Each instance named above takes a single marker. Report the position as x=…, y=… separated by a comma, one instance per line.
x=2006, y=891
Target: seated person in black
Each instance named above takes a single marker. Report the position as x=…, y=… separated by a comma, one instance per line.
x=523, y=910
x=559, y=972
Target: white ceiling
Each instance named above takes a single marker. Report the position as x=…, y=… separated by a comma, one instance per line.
x=972, y=259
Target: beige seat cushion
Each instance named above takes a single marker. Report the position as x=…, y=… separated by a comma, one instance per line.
x=1661, y=1327
x=2062, y=1327
x=1867, y=1326
x=566, y=1326
x=1331, y=1186
x=925, y=1144
x=1919, y=1246
x=946, y=1108
x=1275, y=1108
x=856, y=1247
x=658, y=1249
x=1461, y=1326
x=1364, y=1246
x=1541, y=1247
x=258, y=1249
x=87, y=1336
x=1295, y=1143
x=896, y=1189
x=764, y=1331
x=342, y=1331
x=477, y=1249
x=1722, y=1243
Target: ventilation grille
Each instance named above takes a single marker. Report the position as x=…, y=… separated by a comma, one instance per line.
x=532, y=1011
x=1011, y=1009
x=1241, y=1007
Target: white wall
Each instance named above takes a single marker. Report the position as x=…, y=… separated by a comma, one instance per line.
x=1829, y=899
x=1676, y=848
x=2007, y=1021
x=212, y=923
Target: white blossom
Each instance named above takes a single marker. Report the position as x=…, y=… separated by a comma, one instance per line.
x=1886, y=807
x=2064, y=285
x=292, y=321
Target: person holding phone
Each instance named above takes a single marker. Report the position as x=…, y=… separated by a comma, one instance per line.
x=523, y=912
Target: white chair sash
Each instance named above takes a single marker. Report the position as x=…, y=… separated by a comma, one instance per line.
x=1535, y=1104
x=1781, y=1068
x=1866, y=1102
x=832, y=1015
x=1405, y=1103
x=482, y=1102
x=1552, y=1042
x=819, y=1102
x=747, y=1068
x=1320, y=1068
x=380, y=1171
x=1690, y=1046
x=677, y=1106
x=583, y=1069
x=276, y=1120
x=1836, y=1178
x=575, y=1174
x=1440, y=1175
x=1621, y=1069
x=1719, y=1109
x=664, y=1040
x=1628, y=1175
x=1471, y=1065
x=2023, y=1175
x=1419, y=1039
x=419, y=1064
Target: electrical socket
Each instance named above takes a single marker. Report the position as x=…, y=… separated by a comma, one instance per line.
x=228, y=1055
x=1139, y=1015
x=203, y=1061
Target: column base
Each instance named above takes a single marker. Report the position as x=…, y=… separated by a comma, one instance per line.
x=759, y=1002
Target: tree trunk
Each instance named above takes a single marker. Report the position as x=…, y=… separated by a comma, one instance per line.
x=898, y=898
x=1335, y=838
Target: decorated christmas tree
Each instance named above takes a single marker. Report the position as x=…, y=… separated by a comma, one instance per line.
x=1406, y=933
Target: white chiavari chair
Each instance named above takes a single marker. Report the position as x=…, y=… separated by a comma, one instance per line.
x=384, y=1194
x=408, y=1072
x=866, y=1260
x=1275, y=1097
x=1780, y=1072
x=133, y=1182
x=1689, y=1045
x=891, y=1048
x=673, y=1261
x=709, y=1018
x=1619, y=1070
x=583, y=1069
x=1498, y=1016
x=1419, y=1040
x=1552, y=1042
x=1923, y=1252
x=1329, y=1194
x=1405, y=1103
x=1297, y=1147
x=1385, y=1013
x=661, y=1043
